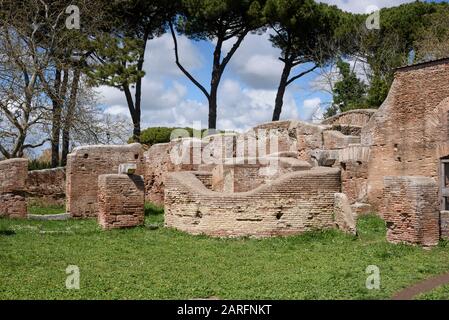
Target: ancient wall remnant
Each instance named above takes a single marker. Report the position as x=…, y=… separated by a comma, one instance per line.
x=86, y=164
x=241, y=175
x=411, y=209
x=343, y=215
x=294, y=203
x=358, y=117
x=46, y=187
x=121, y=201
x=444, y=225
x=177, y=155
x=13, y=176
x=409, y=133
x=354, y=180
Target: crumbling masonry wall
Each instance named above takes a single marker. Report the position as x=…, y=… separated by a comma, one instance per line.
x=46, y=187
x=296, y=202
x=121, y=201
x=410, y=208
x=86, y=164
x=410, y=132
x=13, y=175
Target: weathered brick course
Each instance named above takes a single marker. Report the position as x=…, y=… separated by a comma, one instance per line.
x=410, y=208
x=296, y=202
x=13, y=175
x=121, y=201
x=46, y=187
x=86, y=164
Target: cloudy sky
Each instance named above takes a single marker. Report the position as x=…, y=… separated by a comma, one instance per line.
x=248, y=87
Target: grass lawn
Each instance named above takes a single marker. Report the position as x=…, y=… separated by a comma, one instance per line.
x=142, y=263
x=440, y=293
x=44, y=210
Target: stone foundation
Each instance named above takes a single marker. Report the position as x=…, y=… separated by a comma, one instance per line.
x=411, y=210
x=86, y=164
x=295, y=203
x=121, y=201
x=13, y=176
x=343, y=215
x=46, y=187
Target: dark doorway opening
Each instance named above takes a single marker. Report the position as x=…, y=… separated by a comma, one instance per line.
x=444, y=183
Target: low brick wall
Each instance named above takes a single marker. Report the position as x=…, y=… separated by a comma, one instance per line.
x=86, y=164
x=354, y=180
x=121, y=201
x=411, y=210
x=13, y=175
x=355, y=118
x=46, y=187
x=296, y=202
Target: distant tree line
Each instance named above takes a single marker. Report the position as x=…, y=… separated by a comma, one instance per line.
x=50, y=62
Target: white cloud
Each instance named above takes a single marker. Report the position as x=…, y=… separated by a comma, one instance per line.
x=242, y=108
x=160, y=56
x=256, y=62
x=312, y=109
x=361, y=6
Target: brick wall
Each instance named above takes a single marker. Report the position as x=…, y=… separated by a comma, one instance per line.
x=356, y=118
x=121, y=201
x=46, y=187
x=296, y=202
x=409, y=133
x=85, y=165
x=354, y=180
x=410, y=208
x=13, y=175
x=334, y=140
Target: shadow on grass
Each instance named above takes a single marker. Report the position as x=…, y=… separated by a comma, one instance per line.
x=153, y=210
x=7, y=232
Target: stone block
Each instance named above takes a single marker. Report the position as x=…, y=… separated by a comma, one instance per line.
x=121, y=201
x=411, y=210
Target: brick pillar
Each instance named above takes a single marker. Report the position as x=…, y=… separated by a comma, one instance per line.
x=13, y=176
x=121, y=201
x=411, y=210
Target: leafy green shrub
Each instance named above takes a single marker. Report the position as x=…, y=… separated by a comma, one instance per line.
x=38, y=165
x=151, y=136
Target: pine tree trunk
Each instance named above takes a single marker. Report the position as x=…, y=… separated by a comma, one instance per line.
x=69, y=116
x=281, y=91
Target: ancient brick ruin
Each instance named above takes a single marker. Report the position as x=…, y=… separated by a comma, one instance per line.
x=296, y=202
x=85, y=165
x=46, y=187
x=13, y=176
x=121, y=201
x=279, y=178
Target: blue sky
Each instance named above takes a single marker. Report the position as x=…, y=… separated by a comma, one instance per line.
x=248, y=87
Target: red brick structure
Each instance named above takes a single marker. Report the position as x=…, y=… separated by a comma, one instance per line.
x=121, y=201
x=241, y=175
x=46, y=187
x=86, y=164
x=13, y=175
x=411, y=209
x=408, y=135
x=354, y=180
x=296, y=202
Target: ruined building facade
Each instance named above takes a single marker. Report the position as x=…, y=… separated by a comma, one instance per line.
x=285, y=177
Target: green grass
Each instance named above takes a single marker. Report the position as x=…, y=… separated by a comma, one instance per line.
x=44, y=210
x=143, y=263
x=441, y=293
